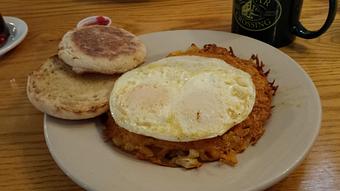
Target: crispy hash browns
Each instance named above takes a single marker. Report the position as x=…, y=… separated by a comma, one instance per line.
x=223, y=148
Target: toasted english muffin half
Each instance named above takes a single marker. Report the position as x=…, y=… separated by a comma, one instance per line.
x=101, y=49
x=56, y=90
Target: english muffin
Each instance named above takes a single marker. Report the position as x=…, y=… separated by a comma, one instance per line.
x=101, y=49
x=56, y=90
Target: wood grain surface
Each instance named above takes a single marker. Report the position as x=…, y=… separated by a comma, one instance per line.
x=25, y=162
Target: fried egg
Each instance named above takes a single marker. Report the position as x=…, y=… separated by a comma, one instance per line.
x=182, y=98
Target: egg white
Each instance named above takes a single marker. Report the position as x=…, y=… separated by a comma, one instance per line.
x=182, y=98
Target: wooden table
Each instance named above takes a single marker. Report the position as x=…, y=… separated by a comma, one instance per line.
x=25, y=162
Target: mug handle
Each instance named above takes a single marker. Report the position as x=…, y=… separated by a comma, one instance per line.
x=300, y=31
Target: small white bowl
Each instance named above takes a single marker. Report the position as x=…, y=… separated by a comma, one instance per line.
x=92, y=19
x=17, y=36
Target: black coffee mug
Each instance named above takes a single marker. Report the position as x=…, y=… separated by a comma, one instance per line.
x=275, y=22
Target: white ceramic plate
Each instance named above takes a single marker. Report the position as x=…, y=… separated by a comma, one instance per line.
x=79, y=150
x=17, y=37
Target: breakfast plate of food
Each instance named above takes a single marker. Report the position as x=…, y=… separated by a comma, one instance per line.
x=174, y=110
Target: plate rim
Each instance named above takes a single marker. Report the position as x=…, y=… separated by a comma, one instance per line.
x=58, y=161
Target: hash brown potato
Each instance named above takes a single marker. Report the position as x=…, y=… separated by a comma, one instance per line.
x=223, y=148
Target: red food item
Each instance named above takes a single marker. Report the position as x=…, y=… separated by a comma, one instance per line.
x=4, y=32
x=102, y=21
x=2, y=39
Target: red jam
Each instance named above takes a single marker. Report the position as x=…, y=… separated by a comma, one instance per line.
x=4, y=32
x=100, y=20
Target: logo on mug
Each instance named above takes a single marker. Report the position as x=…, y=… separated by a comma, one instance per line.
x=257, y=15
